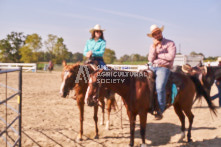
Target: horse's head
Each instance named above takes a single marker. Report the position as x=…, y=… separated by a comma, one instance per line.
x=93, y=90
x=68, y=77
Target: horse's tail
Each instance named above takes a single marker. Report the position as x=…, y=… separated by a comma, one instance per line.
x=200, y=92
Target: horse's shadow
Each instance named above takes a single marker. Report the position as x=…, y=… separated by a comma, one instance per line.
x=215, y=142
x=161, y=133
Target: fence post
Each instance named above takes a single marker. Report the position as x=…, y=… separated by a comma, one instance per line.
x=20, y=104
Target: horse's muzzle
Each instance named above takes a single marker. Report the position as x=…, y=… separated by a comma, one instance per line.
x=63, y=94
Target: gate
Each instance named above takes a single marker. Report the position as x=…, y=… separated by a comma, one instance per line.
x=4, y=133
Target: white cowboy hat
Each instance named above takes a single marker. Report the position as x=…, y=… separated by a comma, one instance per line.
x=154, y=28
x=97, y=27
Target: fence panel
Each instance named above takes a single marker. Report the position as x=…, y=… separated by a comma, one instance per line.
x=25, y=66
x=8, y=125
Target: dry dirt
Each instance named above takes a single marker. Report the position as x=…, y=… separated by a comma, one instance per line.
x=49, y=120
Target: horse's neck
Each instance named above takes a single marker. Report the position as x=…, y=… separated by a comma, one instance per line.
x=81, y=87
x=120, y=87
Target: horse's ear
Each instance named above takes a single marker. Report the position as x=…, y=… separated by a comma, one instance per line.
x=64, y=63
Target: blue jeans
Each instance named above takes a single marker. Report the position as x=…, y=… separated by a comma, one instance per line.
x=218, y=95
x=162, y=75
x=101, y=64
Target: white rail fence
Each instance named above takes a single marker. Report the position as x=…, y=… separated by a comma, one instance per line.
x=25, y=66
x=128, y=67
x=178, y=61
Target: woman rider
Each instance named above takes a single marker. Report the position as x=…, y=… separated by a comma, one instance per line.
x=95, y=47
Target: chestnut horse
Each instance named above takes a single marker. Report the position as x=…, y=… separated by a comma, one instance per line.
x=75, y=77
x=136, y=95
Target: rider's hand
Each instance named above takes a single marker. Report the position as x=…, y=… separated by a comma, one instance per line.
x=156, y=43
x=89, y=54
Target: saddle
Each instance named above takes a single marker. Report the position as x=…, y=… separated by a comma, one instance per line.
x=174, y=81
x=92, y=61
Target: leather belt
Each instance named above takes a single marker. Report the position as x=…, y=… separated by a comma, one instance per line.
x=157, y=65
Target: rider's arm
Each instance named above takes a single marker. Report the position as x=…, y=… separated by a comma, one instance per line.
x=152, y=54
x=86, y=49
x=170, y=55
x=99, y=52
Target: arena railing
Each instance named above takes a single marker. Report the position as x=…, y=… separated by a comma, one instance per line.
x=8, y=125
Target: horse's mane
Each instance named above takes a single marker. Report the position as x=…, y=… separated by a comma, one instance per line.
x=71, y=67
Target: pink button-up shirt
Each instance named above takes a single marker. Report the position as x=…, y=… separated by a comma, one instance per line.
x=163, y=54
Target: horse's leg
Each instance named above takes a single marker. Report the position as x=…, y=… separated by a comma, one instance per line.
x=132, y=119
x=181, y=116
x=81, y=108
x=103, y=107
x=109, y=103
x=95, y=120
x=143, y=120
x=190, y=116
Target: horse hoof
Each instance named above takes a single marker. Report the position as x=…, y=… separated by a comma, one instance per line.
x=107, y=127
x=96, y=137
x=79, y=139
x=190, y=140
x=182, y=136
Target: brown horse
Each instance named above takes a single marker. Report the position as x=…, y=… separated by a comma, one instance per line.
x=206, y=75
x=75, y=77
x=136, y=95
x=50, y=66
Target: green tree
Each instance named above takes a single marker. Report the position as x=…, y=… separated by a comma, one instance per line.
x=9, y=47
x=27, y=55
x=29, y=52
x=57, y=49
x=109, y=56
x=124, y=58
x=50, y=43
x=77, y=57
x=193, y=53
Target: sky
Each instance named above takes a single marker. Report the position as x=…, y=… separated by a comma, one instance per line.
x=194, y=25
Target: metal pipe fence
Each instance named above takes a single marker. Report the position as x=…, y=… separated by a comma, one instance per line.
x=9, y=125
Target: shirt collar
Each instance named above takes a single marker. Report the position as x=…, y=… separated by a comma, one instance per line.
x=98, y=40
x=163, y=40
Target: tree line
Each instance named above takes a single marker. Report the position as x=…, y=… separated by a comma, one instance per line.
x=17, y=48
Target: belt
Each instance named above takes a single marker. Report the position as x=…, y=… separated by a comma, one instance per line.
x=96, y=58
x=157, y=65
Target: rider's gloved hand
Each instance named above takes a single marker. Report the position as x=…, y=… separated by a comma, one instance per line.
x=150, y=64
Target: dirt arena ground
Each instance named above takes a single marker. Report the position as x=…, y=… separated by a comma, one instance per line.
x=52, y=121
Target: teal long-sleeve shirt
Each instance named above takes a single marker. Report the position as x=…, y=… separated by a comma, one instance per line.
x=97, y=47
